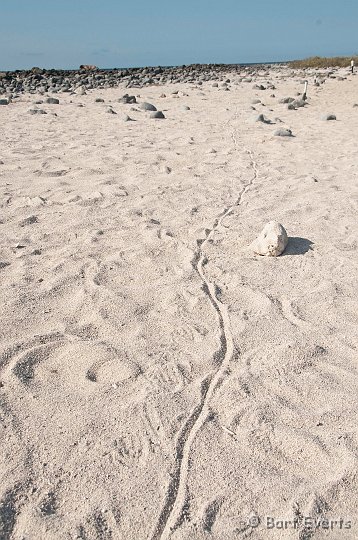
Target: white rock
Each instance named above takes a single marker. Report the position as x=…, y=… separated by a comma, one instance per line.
x=81, y=91
x=35, y=201
x=94, y=196
x=272, y=241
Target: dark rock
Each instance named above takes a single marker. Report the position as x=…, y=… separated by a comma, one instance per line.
x=156, y=114
x=29, y=221
x=299, y=103
x=37, y=111
x=147, y=106
x=127, y=99
x=262, y=118
x=286, y=100
x=53, y=101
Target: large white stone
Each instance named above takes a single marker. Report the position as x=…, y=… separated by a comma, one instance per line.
x=272, y=241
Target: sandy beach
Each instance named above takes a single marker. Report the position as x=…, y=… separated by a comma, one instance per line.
x=159, y=380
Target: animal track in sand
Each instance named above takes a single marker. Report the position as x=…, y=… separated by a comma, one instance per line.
x=98, y=525
x=129, y=450
x=169, y=374
x=176, y=501
x=69, y=365
x=9, y=511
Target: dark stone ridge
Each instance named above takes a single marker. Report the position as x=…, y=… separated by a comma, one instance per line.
x=44, y=81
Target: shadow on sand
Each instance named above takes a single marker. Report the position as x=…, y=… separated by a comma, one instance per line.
x=297, y=246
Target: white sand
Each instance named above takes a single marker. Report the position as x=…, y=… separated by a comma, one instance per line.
x=152, y=388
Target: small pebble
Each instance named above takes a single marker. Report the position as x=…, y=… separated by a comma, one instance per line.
x=283, y=132
x=29, y=221
x=37, y=111
x=262, y=118
x=286, y=100
x=53, y=101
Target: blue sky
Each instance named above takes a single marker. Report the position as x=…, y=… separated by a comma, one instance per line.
x=121, y=33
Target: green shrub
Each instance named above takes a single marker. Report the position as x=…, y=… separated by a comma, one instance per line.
x=322, y=62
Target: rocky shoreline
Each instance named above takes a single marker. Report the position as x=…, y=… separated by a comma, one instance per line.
x=53, y=80
x=41, y=81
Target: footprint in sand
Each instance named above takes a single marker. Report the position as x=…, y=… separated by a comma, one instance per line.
x=72, y=367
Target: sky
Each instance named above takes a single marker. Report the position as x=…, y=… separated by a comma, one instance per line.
x=123, y=33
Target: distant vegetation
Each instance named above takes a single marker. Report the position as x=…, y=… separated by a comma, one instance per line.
x=321, y=62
